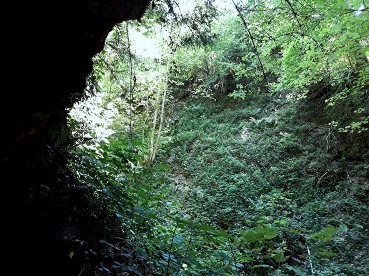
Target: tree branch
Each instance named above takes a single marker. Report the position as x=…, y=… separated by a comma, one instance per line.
x=238, y=9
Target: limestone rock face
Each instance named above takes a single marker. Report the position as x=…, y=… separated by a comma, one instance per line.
x=46, y=54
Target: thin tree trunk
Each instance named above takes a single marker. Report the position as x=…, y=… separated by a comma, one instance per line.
x=160, y=125
x=152, y=138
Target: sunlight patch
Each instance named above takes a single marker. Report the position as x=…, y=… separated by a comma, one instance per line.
x=245, y=133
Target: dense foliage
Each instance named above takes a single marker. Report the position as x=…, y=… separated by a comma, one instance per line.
x=241, y=149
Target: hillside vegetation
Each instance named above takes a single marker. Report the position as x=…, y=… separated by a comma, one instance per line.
x=263, y=162
x=240, y=148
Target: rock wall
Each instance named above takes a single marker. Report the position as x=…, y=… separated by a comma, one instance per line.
x=47, y=48
x=46, y=56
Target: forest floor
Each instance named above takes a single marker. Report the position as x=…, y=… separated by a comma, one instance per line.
x=239, y=162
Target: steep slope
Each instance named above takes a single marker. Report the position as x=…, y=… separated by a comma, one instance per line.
x=237, y=164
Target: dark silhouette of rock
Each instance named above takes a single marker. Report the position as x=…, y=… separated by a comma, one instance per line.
x=47, y=48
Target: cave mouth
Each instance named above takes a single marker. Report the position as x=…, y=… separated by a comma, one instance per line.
x=47, y=52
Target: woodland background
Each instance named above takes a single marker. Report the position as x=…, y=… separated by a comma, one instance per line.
x=235, y=143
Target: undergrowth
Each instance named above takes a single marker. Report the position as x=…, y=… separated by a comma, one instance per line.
x=240, y=188
x=265, y=160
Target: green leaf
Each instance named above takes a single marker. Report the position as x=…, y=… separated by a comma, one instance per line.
x=282, y=221
x=246, y=258
x=279, y=257
x=223, y=234
x=162, y=167
x=296, y=270
x=325, y=234
x=259, y=233
x=204, y=227
x=324, y=252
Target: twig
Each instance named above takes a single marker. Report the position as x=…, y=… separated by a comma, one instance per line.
x=310, y=261
x=320, y=179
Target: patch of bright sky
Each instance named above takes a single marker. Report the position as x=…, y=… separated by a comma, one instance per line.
x=224, y=5
x=153, y=46
x=148, y=47
x=360, y=10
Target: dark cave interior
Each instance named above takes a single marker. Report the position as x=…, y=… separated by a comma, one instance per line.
x=46, y=59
